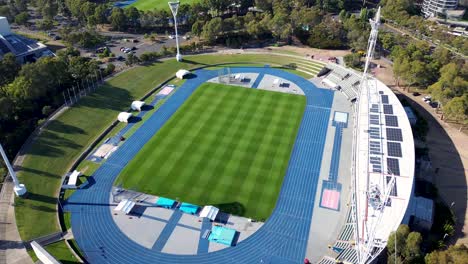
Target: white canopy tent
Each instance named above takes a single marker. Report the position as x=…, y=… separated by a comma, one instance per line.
x=125, y=206
x=182, y=73
x=124, y=117
x=210, y=212
x=137, y=105
x=72, y=180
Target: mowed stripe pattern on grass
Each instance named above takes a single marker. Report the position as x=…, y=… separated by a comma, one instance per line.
x=228, y=146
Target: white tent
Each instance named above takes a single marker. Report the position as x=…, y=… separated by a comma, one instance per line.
x=181, y=73
x=137, y=105
x=210, y=212
x=72, y=179
x=124, y=117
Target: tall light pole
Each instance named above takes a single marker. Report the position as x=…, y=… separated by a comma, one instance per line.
x=174, y=7
x=19, y=188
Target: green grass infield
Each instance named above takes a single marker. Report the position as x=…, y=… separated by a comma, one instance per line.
x=145, y=5
x=226, y=146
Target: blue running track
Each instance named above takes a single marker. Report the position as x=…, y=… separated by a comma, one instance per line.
x=283, y=237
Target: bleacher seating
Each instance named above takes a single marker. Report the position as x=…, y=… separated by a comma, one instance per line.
x=327, y=260
x=348, y=255
x=346, y=233
x=347, y=81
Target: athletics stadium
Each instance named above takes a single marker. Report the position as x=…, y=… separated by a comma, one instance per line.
x=250, y=164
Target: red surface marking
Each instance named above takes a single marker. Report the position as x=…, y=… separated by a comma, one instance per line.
x=330, y=199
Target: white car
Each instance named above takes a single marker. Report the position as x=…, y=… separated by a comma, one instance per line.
x=171, y=37
x=427, y=98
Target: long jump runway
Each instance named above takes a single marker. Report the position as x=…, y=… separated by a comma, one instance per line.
x=283, y=237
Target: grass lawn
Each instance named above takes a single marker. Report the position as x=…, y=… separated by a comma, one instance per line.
x=227, y=146
x=55, y=150
x=145, y=5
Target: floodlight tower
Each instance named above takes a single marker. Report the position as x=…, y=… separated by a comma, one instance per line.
x=174, y=7
x=19, y=188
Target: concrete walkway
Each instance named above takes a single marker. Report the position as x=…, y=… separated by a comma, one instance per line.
x=12, y=250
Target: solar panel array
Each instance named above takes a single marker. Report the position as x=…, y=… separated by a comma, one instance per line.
x=374, y=132
x=388, y=109
x=394, y=134
x=391, y=120
x=393, y=192
x=394, y=149
x=3, y=48
x=393, y=166
x=384, y=99
x=375, y=147
x=393, y=139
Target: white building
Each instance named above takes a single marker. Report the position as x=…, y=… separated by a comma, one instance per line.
x=25, y=50
x=433, y=8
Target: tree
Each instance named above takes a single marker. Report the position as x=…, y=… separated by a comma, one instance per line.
x=9, y=68
x=132, y=59
x=328, y=34
x=132, y=16
x=413, y=247
x=117, y=19
x=454, y=254
x=403, y=246
x=197, y=28
x=457, y=108
x=22, y=18
x=353, y=60
x=212, y=29
x=22, y=89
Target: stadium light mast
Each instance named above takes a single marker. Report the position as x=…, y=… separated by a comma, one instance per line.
x=19, y=188
x=366, y=246
x=174, y=7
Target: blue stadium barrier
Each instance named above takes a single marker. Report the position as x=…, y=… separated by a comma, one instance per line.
x=283, y=237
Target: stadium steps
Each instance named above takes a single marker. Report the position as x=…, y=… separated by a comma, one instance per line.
x=348, y=255
x=327, y=260
x=347, y=233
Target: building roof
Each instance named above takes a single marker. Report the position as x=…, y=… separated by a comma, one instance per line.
x=19, y=45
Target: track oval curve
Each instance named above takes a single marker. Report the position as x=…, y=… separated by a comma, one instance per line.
x=283, y=237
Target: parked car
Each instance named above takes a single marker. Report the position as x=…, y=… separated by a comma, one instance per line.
x=186, y=37
x=427, y=98
x=133, y=48
x=171, y=37
x=57, y=37
x=120, y=58
x=416, y=94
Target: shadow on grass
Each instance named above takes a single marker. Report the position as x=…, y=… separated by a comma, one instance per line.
x=50, y=144
x=107, y=97
x=234, y=208
x=34, y=171
x=60, y=127
x=40, y=197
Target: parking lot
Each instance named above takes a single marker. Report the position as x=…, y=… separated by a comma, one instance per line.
x=141, y=45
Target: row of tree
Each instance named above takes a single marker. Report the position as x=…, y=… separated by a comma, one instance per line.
x=404, y=246
x=405, y=13
x=31, y=92
x=416, y=63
